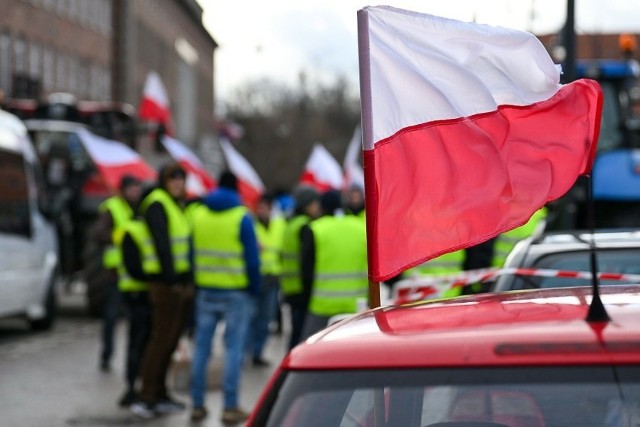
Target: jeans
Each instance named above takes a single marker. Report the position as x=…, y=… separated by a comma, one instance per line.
x=265, y=313
x=235, y=308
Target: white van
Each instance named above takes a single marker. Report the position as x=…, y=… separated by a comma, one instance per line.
x=29, y=261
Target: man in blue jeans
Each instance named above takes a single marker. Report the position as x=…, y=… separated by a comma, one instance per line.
x=227, y=275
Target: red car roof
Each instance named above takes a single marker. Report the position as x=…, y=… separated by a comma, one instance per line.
x=539, y=327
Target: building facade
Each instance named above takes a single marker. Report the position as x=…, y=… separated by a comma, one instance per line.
x=103, y=50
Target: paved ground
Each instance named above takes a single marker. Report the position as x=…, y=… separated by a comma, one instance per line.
x=52, y=378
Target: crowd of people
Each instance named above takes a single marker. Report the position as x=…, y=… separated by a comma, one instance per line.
x=183, y=266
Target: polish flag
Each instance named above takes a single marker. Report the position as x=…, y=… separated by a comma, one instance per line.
x=250, y=185
x=114, y=160
x=466, y=133
x=199, y=181
x=322, y=171
x=154, y=105
x=353, y=173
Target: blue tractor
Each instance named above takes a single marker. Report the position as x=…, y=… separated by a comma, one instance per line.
x=616, y=171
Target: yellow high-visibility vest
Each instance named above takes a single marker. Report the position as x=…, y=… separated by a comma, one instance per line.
x=218, y=249
x=179, y=227
x=141, y=236
x=340, y=265
x=270, y=240
x=290, y=282
x=121, y=213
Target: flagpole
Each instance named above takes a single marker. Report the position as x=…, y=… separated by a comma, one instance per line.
x=370, y=192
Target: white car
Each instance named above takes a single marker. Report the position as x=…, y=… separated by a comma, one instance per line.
x=29, y=259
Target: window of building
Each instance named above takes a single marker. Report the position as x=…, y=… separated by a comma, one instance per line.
x=5, y=62
x=74, y=9
x=48, y=68
x=19, y=55
x=62, y=7
x=61, y=72
x=35, y=60
x=72, y=73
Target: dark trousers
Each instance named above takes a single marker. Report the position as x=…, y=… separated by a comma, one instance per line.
x=298, y=313
x=139, y=318
x=110, y=313
x=170, y=307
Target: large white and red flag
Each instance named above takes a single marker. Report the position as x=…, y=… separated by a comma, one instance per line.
x=250, y=185
x=322, y=171
x=154, y=104
x=466, y=133
x=113, y=159
x=353, y=173
x=199, y=181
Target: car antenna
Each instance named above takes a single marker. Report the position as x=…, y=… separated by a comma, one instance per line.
x=597, y=311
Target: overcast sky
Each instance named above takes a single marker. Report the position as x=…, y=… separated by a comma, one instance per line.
x=280, y=38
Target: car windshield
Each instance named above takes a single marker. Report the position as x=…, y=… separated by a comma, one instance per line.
x=620, y=261
x=514, y=397
x=14, y=209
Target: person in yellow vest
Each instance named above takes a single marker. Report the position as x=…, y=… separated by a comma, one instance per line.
x=139, y=266
x=270, y=233
x=170, y=293
x=227, y=277
x=334, y=264
x=506, y=241
x=307, y=208
x=444, y=265
x=114, y=213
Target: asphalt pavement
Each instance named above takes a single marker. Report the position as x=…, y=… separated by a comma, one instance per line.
x=52, y=379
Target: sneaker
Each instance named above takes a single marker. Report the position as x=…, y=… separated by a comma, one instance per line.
x=168, y=405
x=260, y=362
x=143, y=410
x=128, y=398
x=199, y=413
x=234, y=415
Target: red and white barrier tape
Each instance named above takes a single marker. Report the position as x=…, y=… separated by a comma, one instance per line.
x=426, y=287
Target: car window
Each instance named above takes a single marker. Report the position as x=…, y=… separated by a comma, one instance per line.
x=622, y=261
x=14, y=195
x=61, y=155
x=516, y=397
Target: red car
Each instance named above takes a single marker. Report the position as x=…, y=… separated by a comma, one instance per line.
x=514, y=359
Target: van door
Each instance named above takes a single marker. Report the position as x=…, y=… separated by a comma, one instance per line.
x=18, y=277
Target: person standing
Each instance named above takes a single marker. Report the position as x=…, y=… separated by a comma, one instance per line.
x=334, y=264
x=307, y=207
x=139, y=267
x=227, y=276
x=270, y=234
x=170, y=293
x=115, y=212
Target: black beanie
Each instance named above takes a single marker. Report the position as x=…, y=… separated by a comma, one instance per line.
x=330, y=202
x=228, y=180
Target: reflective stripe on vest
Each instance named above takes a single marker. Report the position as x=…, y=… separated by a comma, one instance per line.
x=140, y=235
x=120, y=212
x=179, y=228
x=290, y=282
x=270, y=241
x=444, y=264
x=340, y=265
x=506, y=241
x=218, y=250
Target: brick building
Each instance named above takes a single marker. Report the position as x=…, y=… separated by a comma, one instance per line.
x=103, y=50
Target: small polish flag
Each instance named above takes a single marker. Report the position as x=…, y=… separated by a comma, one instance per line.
x=154, y=105
x=199, y=181
x=322, y=171
x=250, y=185
x=114, y=159
x=353, y=173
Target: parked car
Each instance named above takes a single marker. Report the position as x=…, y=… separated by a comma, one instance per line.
x=29, y=261
x=533, y=261
x=513, y=359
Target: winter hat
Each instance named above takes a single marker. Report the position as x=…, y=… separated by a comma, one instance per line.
x=304, y=195
x=228, y=180
x=330, y=202
x=127, y=181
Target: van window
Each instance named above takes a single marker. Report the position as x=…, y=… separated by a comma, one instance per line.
x=15, y=217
